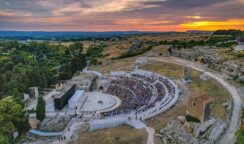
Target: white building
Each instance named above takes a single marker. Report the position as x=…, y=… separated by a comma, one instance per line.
x=77, y=99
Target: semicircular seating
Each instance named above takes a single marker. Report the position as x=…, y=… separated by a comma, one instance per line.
x=136, y=91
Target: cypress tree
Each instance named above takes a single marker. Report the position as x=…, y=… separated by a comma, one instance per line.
x=40, y=109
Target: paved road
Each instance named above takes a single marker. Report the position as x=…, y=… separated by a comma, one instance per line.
x=229, y=136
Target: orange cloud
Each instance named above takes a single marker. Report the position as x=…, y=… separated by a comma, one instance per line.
x=141, y=22
x=194, y=17
x=104, y=7
x=48, y=20
x=215, y=25
x=14, y=13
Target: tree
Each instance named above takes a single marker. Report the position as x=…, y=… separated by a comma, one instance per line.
x=4, y=139
x=65, y=72
x=78, y=63
x=44, y=83
x=12, y=118
x=76, y=46
x=16, y=95
x=40, y=109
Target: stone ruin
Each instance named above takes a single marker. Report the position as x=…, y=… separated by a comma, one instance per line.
x=234, y=69
x=141, y=60
x=200, y=107
x=209, y=56
x=184, y=132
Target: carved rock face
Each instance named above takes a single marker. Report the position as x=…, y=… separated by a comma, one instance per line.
x=231, y=68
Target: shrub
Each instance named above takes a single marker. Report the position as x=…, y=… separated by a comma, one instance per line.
x=31, y=111
x=240, y=136
x=190, y=118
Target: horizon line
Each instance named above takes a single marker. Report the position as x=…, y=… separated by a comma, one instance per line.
x=110, y=31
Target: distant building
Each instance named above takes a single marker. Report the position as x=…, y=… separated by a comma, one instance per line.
x=59, y=86
x=26, y=97
x=83, y=81
x=240, y=40
x=240, y=46
x=200, y=107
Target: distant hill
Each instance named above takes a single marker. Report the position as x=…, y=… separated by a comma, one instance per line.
x=232, y=32
x=41, y=35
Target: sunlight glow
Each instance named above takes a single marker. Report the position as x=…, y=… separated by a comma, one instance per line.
x=214, y=25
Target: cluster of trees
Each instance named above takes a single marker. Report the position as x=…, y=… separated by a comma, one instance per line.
x=36, y=64
x=133, y=53
x=66, y=36
x=26, y=65
x=12, y=118
x=137, y=49
x=232, y=32
x=94, y=52
x=226, y=44
x=180, y=44
x=219, y=41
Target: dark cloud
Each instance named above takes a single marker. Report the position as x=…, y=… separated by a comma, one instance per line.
x=85, y=14
x=188, y=4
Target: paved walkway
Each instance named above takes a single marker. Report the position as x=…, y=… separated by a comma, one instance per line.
x=229, y=136
x=150, y=138
x=44, y=133
x=137, y=124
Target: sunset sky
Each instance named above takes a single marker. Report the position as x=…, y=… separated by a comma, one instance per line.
x=121, y=15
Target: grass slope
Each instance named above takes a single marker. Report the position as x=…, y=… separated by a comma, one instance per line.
x=119, y=135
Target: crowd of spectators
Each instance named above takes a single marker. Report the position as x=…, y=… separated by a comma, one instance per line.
x=135, y=92
x=161, y=91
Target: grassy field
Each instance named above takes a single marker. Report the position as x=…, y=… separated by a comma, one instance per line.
x=161, y=120
x=158, y=140
x=197, y=87
x=120, y=135
x=158, y=38
x=210, y=88
x=119, y=65
x=167, y=69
